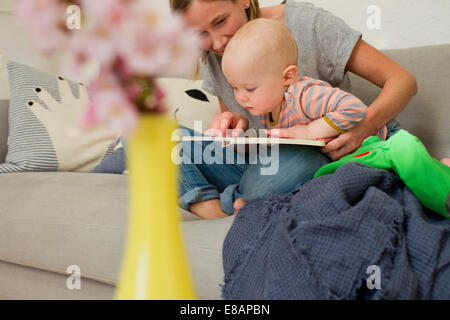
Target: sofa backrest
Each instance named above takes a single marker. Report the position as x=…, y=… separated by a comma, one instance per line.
x=3, y=128
x=427, y=115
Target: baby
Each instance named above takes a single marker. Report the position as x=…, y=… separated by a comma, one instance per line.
x=260, y=63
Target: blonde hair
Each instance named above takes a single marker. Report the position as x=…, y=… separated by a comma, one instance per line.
x=270, y=40
x=182, y=6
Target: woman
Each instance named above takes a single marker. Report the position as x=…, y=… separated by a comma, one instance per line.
x=328, y=48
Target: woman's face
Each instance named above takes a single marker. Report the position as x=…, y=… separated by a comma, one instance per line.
x=216, y=22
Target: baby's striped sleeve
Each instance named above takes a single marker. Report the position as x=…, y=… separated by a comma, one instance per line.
x=340, y=109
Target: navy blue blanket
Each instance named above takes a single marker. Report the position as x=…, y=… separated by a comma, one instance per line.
x=319, y=241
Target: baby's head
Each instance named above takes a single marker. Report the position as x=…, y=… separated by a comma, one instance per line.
x=260, y=62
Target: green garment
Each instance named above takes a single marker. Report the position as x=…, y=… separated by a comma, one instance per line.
x=404, y=154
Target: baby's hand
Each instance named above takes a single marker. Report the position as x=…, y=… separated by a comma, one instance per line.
x=326, y=140
x=295, y=132
x=227, y=120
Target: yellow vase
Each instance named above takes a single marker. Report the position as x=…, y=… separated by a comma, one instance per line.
x=155, y=263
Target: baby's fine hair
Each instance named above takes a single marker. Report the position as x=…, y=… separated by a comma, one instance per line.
x=278, y=45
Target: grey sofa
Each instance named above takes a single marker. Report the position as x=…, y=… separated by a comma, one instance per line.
x=52, y=220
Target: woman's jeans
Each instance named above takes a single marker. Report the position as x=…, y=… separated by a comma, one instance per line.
x=208, y=171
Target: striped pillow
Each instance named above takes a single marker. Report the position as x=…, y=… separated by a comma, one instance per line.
x=4, y=82
x=44, y=125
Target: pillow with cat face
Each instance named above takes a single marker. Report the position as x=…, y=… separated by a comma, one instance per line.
x=44, y=122
x=188, y=102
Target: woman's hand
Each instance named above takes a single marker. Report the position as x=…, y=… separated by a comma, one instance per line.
x=227, y=120
x=346, y=143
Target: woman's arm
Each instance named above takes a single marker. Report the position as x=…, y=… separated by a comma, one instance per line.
x=398, y=87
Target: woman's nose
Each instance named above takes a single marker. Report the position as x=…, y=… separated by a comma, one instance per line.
x=206, y=44
x=219, y=43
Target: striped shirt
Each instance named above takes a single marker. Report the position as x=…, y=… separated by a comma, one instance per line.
x=309, y=99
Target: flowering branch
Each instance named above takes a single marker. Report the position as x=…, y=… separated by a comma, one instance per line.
x=134, y=41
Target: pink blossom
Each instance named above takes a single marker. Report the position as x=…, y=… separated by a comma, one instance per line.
x=155, y=102
x=53, y=40
x=41, y=12
x=77, y=57
x=96, y=41
x=110, y=105
x=45, y=20
x=183, y=52
x=107, y=80
x=114, y=108
x=98, y=38
x=89, y=119
x=159, y=93
x=141, y=49
x=156, y=42
x=121, y=69
x=133, y=91
x=133, y=40
x=109, y=12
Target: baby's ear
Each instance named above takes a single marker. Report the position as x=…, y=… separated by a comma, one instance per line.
x=290, y=74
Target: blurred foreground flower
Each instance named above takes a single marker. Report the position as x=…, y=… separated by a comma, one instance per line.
x=134, y=41
x=44, y=17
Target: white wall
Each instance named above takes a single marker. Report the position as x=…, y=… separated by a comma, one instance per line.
x=15, y=43
x=404, y=23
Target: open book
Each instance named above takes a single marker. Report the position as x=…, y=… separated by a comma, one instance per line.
x=251, y=140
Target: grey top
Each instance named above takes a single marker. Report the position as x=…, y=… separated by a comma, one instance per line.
x=325, y=43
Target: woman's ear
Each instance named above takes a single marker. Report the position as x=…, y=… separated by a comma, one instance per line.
x=290, y=74
x=245, y=3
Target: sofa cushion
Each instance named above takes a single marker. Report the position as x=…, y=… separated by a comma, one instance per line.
x=3, y=129
x=427, y=115
x=26, y=283
x=81, y=219
x=67, y=219
x=45, y=132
